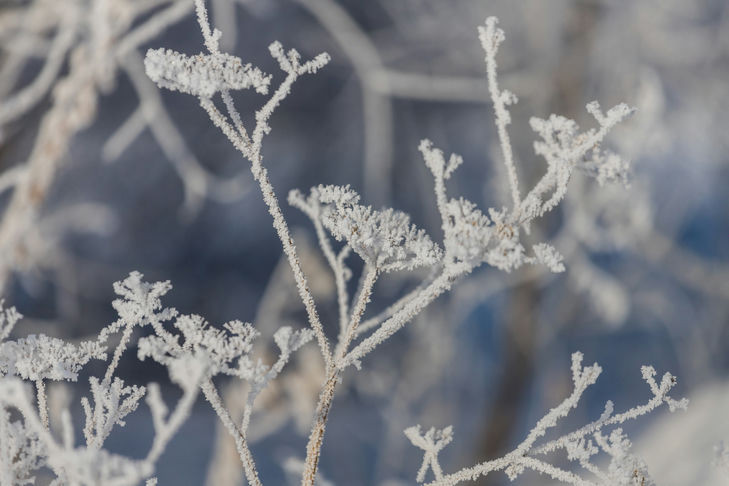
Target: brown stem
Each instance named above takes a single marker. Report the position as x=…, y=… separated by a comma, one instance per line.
x=313, y=448
x=316, y=437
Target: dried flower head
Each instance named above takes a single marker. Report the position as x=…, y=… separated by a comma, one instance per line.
x=384, y=239
x=203, y=75
x=39, y=357
x=204, y=351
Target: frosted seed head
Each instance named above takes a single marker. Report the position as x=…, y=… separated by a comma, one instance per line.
x=202, y=75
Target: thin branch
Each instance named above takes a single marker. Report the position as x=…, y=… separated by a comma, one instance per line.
x=491, y=37
x=239, y=436
x=42, y=402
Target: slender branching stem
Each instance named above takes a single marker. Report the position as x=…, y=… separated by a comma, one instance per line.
x=239, y=435
x=436, y=288
x=363, y=298
x=326, y=396
x=337, y=264
x=316, y=437
x=282, y=229
x=491, y=37
x=126, y=336
x=178, y=417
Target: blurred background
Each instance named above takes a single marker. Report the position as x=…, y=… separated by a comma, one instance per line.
x=103, y=174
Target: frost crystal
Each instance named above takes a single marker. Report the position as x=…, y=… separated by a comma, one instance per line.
x=548, y=256
x=473, y=238
x=435, y=160
x=625, y=469
x=85, y=466
x=384, y=239
x=45, y=358
x=21, y=453
x=203, y=75
x=564, y=148
x=259, y=375
x=140, y=303
x=205, y=351
x=469, y=231
x=112, y=403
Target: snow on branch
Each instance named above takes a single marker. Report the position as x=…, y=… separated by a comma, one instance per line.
x=386, y=241
x=140, y=305
x=563, y=146
x=204, y=352
x=21, y=452
x=473, y=237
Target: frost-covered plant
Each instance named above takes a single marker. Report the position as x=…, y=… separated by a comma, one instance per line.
x=385, y=240
x=195, y=353
x=112, y=402
x=203, y=75
x=21, y=451
x=580, y=445
x=39, y=358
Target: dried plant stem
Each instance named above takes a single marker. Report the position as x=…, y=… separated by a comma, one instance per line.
x=260, y=174
x=326, y=396
x=364, y=297
x=165, y=434
x=337, y=265
x=316, y=437
x=491, y=37
x=42, y=402
x=251, y=149
x=126, y=336
x=239, y=436
x=404, y=315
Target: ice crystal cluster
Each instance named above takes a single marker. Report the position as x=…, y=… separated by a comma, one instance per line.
x=203, y=75
x=45, y=358
x=384, y=239
x=195, y=353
